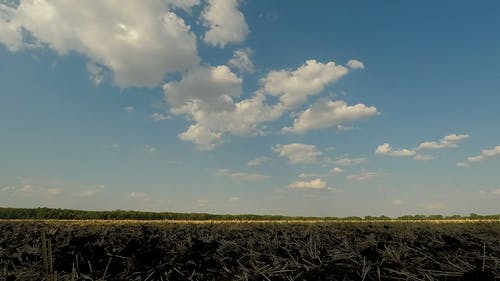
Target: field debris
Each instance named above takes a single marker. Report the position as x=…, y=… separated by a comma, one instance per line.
x=50, y=250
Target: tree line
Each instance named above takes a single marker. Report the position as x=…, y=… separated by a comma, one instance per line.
x=69, y=214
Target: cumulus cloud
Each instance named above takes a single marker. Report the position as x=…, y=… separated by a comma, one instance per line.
x=346, y=161
x=87, y=193
x=386, y=149
x=204, y=138
x=257, y=161
x=233, y=199
x=129, y=109
x=241, y=60
x=8, y=188
x=97, y=73
x=204, y=88
x=211, y=97
x=306, y=175
x=312, y=184
x=485, y=154
x=463, y=164
x=202, y=202
x=150, y=149
x=207, y=95
x=423, y=157
x=342, y=128
x=35, y=188
x=337, y=170
x=146, y=198
x=293, y=87
x=244, y=119
x=325, y=114
x=397, y=202
x=139, y=42
x=449, y=141
x=364, y=176
x=496, y=191
x=355, y=64
x=298, y=152
x=240, y=176
x=54, y=191
x=434, y=206
x=159, y=117
x=137, y=195
x=226, y=24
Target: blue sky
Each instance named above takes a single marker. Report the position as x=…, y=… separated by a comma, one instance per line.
x=269, y=107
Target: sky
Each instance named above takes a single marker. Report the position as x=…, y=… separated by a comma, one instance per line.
x=336, y=108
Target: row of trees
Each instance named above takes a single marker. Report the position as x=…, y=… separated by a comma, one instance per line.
x=49, y=213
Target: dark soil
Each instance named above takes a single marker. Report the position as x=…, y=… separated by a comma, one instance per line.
x=333, y=251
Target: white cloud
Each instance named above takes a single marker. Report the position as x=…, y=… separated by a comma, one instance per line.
x=146, y=198
x=325, y=114
x=206, y=95
x=129, y=109
x=150, y=149
x=202, y=202
x=39, y=188
x=463, y=164
x=138, y=41
x=355, y=64
x=434, y=206
x=293, y=87
x=97, y=73
x=87, y=193
x=449, y=141
x=386, y=149
x=210, y=97
x=306, y=176
x=312, y=184
x=298, y=152
x=241, y=60
x=335, y=189
x=137, y=195
x=159, y=117
x=239, y=176
x=337, y=170
x=226, y=24
x=204, y=138
x=423, y=157
x=496, y=191
x=397, y=202
x=8, y=188
x=36, y=190
x=454, y=138
x=475, y=159
x=26, y=189
x=342, y=128
x=491, y=152
x=204, y=88
x=54, y=191
x=257, y=161
x=364, y=176
x=485, y=154
x=346, y=161
x=233, y=199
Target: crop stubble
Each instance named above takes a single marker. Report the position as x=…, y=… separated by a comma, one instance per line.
x=128, y=250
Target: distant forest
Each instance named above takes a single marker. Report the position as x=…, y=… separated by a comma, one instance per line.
x=67, y=214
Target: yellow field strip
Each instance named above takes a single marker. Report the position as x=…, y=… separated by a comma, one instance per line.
x=89, y=222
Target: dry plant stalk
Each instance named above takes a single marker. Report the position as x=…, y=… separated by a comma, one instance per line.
x=47, y=258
